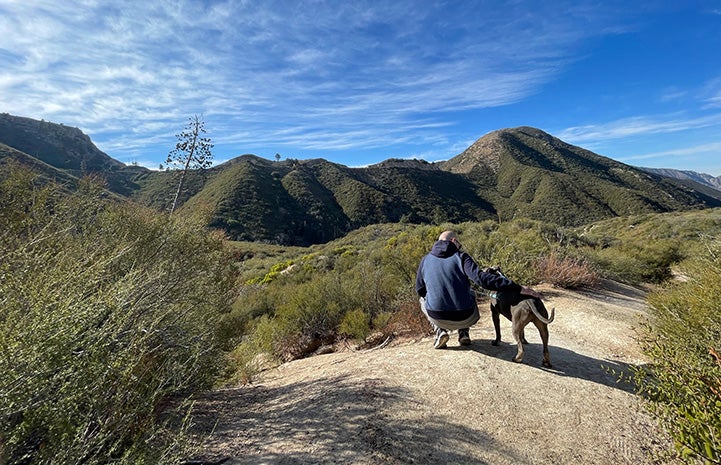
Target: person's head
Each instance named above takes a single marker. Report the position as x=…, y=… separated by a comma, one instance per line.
x=450, y=236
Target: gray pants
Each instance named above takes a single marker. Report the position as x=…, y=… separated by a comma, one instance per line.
x=448, y=324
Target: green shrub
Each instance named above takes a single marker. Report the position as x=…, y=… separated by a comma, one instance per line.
x=514, y=247
x=356, y=324
x=109, y=314
x=381, y=320
x=617, y=265
x=683, y=381
x=267, y=337
x=644, y=260
x=303, y=317
x=351, y=293
x=276, y=271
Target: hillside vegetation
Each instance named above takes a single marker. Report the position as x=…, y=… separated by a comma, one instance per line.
x=541, y=177
x=44, y=173
x=60, y=146
x=372, y=270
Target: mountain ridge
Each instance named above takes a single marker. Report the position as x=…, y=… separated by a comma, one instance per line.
x=61, y=146
x=688, y=175
x=505, y=174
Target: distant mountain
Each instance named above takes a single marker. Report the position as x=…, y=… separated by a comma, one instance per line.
x=510, y=173
x=506, y=174
x=534, y=174
x=61, y=146
x=313, y=201
x=685, y=175
x=65, y=148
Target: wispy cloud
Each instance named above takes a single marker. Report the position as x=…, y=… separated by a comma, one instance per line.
x=321, y=75
x=636, y=126
x=712, y=94
x=315, y=74
x=696, y=150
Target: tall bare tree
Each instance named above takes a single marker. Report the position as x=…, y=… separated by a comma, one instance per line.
x=191, y=152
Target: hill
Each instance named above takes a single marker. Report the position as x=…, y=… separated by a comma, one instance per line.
x=510, y=173
x=713, y=182
x=63, y=153
x=408, y=403
x=533, y=174
x=60, y=146
x=44, y=171
x=312, y=201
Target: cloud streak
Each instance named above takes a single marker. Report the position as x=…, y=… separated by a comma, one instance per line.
x=94, y=65
x=308, y=76
x=709, y=149
x=639, y=125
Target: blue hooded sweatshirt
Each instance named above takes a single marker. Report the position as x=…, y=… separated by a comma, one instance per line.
x=444, y=278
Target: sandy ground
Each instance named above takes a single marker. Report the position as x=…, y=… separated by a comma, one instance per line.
x=411, y=404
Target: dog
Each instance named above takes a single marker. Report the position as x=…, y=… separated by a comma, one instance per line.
x=520, y=310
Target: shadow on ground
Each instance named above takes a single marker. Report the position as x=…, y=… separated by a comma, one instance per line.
x=565, y=362
x=331, y=420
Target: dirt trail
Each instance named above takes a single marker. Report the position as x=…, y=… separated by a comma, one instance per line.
x=408, y=403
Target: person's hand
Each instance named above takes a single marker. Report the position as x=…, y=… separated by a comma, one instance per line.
x=528, y=291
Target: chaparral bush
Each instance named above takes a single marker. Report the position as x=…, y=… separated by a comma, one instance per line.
x=566, y=271
x=645, y=260
x=514, y=246
x=108, y=314
x=356, y=324
x=683, y=342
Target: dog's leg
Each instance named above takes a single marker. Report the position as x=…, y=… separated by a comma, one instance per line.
x=543, y=331
x=523, y=336
x=496, y=316
x=517, y=326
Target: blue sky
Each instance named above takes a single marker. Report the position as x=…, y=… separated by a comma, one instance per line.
x=358, y=82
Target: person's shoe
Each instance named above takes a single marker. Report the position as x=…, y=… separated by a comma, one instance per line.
x=464, y=337
x=441, y=338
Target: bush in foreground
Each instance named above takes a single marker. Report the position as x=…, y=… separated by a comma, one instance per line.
x=683, y=381
x=108, y=315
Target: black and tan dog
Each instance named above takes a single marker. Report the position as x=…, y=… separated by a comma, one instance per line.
x=520, y=310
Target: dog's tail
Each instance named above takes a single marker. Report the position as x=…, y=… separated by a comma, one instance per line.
x=545, y=319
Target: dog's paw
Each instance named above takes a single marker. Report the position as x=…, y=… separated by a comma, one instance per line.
x=495, y=342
